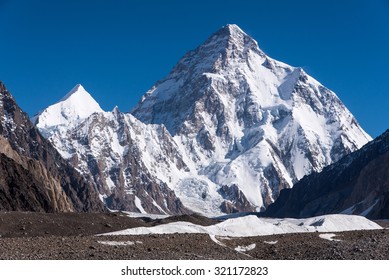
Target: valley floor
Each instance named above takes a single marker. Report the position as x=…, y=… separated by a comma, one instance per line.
x=72, y=236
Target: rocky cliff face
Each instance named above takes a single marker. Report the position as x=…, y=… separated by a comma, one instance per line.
x=25, y=184
x=357, y=184
x=117, y=152
x=34, y=177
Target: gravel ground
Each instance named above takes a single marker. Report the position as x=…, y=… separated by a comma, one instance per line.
x=72, y=236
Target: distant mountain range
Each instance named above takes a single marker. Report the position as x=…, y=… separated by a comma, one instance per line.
x=225, y=131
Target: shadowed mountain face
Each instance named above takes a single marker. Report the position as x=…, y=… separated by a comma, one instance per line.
x=357, y=184
x=33, y=175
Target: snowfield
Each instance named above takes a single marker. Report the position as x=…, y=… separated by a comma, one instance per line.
x=253, y=226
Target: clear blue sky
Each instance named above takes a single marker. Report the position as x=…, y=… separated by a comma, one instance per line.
x=118, y=49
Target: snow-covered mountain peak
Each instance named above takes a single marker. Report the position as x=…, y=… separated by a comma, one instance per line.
x=226, y=130
x=226, y=56
x=234, y=28
x=247, y=121
x=228, y=31
x=78, y=90
x=231, y=43
x=239, y=43
x=74, y=107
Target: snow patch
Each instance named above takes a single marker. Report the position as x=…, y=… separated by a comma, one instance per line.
x=110, y=184
x=243, y=249
x=329, y=236
x=119, y=243
x=254, y=226
x=214, y=239
x=103, y=197
x=138, y=204
x=271, y=242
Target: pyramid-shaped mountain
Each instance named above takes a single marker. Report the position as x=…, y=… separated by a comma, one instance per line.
x=244, y=119
x=225, y=131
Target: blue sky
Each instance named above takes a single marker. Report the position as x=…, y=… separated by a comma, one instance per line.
x=118, y=49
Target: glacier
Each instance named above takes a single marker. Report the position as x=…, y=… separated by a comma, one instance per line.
x=251, y=225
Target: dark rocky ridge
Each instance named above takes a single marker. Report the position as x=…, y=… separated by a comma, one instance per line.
x=33, y=174
x=358, y=183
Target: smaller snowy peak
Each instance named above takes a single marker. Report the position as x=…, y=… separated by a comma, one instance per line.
x=77, y=90
x=74, y=107
x=116, y=110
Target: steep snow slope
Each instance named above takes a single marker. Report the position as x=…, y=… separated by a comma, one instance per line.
x=74, y=107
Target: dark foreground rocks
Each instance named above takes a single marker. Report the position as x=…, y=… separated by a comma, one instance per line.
x=72, y=236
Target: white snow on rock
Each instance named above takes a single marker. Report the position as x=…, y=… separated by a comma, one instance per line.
x=271, y=242
x=119, y=243
x=254, y=226
x=138, y=204
x=243, y=249
x=329, y=236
